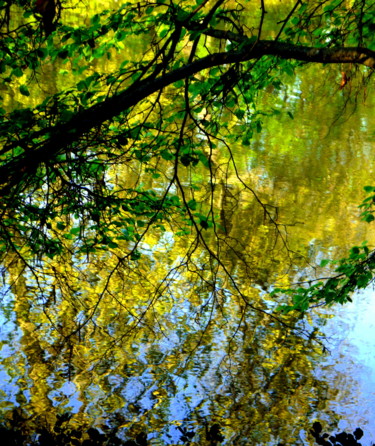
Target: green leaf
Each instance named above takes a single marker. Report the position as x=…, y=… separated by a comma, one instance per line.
x=75, y=231
x=24, y=90
x=192, y=204
x=204, y=223
x=17, y=72
x=179, y=84
x=163, y=32
x=204, y=159
x=368, y=218
x=120, y=35
x=135, y=255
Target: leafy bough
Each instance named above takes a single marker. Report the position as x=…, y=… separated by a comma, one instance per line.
x=352, y=273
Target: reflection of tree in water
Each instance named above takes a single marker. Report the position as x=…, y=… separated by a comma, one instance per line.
x=197, y=363
x=16, y=431
x=218, y=369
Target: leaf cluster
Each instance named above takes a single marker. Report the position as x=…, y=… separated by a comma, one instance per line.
x=351, y=273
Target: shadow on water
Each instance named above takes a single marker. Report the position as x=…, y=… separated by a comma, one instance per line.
x=16, y=433
x=341, y=439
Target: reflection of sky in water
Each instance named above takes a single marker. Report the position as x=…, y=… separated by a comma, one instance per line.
x=68, y=394
x=350, y=368
x=8, y=332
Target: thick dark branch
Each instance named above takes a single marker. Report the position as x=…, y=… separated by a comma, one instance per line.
x=12, y=173
x=362, y=56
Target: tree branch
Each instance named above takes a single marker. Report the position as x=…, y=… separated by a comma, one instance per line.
x=25, y=164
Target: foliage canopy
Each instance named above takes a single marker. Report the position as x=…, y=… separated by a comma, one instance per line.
x=87, y=170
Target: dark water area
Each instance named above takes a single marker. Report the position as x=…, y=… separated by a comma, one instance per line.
x=94, y=437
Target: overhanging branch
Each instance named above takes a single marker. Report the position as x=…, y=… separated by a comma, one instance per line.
x=24, y=165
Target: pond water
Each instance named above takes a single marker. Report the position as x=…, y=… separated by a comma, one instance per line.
x=350, y=366
x=204, y=367
x=165, y=349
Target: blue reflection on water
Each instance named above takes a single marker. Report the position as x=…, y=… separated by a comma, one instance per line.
x=350, y=367
x=349, y=370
